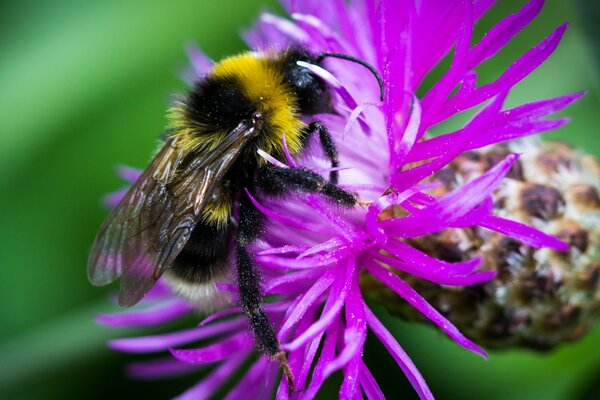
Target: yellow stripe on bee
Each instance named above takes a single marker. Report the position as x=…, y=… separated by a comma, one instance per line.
x=217, y=213
x=263, y=85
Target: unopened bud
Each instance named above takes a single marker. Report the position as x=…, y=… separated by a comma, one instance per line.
x=540, y=298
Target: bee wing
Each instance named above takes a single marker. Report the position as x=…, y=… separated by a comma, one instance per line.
x=146, y=231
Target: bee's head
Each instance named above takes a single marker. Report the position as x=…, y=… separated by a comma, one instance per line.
x=313, y=95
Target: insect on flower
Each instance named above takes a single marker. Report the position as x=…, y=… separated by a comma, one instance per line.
x=317, y=245
x=177, y=220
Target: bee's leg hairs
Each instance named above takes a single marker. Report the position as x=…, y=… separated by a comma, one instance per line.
x=251, y=296
x=277, y=181
x=328, y=146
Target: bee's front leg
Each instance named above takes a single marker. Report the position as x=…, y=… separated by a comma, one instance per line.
x=328, y=146
x=277, y=181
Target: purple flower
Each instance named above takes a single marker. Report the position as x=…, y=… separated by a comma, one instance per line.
x=313, y=253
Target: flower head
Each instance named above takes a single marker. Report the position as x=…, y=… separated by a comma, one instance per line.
x=312, y=253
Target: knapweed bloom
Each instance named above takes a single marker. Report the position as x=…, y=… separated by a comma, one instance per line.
x=313, y=254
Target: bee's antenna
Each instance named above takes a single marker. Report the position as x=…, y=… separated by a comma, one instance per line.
x=324, y=55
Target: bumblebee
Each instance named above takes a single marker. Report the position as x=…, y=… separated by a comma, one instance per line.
x=188, y=218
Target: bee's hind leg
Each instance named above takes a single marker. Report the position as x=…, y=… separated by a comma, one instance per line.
x=251, y=296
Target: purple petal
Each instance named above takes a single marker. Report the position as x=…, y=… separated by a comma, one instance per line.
x=369, y=384
x=515, y=73
x=331, y=244
x=286, y=283
x=129, y=174
x=283, y=250
x=355, y=333
x=256, y=382
x=525, y=233
x=350, y=388
x=503, y=32
x=271, y=159
x=408, y=137
x=421, y=260
x=355, y=336
x=308, y=358
x=200, y=62
x=439, y=277
x=111, y=200
x=507, y=125
x=284, y=219
x=286, y=151
x=451, y=206
x=211, y=383
x=338, y=295
x=161, y=368
x=402, y=359
x=151, y=316
x=326, y=355
x=146, y=344
x=419, y=303
x=320, y=33
x=405, y=179
x=215, y=352
x=307, y=300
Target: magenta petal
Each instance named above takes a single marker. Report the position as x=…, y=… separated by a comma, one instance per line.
x=404, y=362
x=150, y=316
x=503, y=32
x=301, y=361
x=440, y=277
x=369, y=384
x=258, y=379
x=338, y=295
x=111, y=200
x=147, y=344
x=286, y=283
x=309, y=356
x=350, y=388
x=200, y=62
x=283, y=250
x=451, y=206
x=516, y=72
x=355, y=336
x=290, y=221
x=326, y=355
x=215, y=352
x=320, y=33
x=404, y=179
x=161, y=368
x=507, y=125
x=525, y=233
x=355, y=333
x=428, y=263
x=211, y=383
x=414, y=299
x=220, y=314
x=409, y=136
x=129, y=174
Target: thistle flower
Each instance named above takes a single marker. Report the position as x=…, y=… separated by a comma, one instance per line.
x=314, y=255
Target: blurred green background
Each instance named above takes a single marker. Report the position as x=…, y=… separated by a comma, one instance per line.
x=84, y=87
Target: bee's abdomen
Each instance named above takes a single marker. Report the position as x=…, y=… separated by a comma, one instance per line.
x=205, y=255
